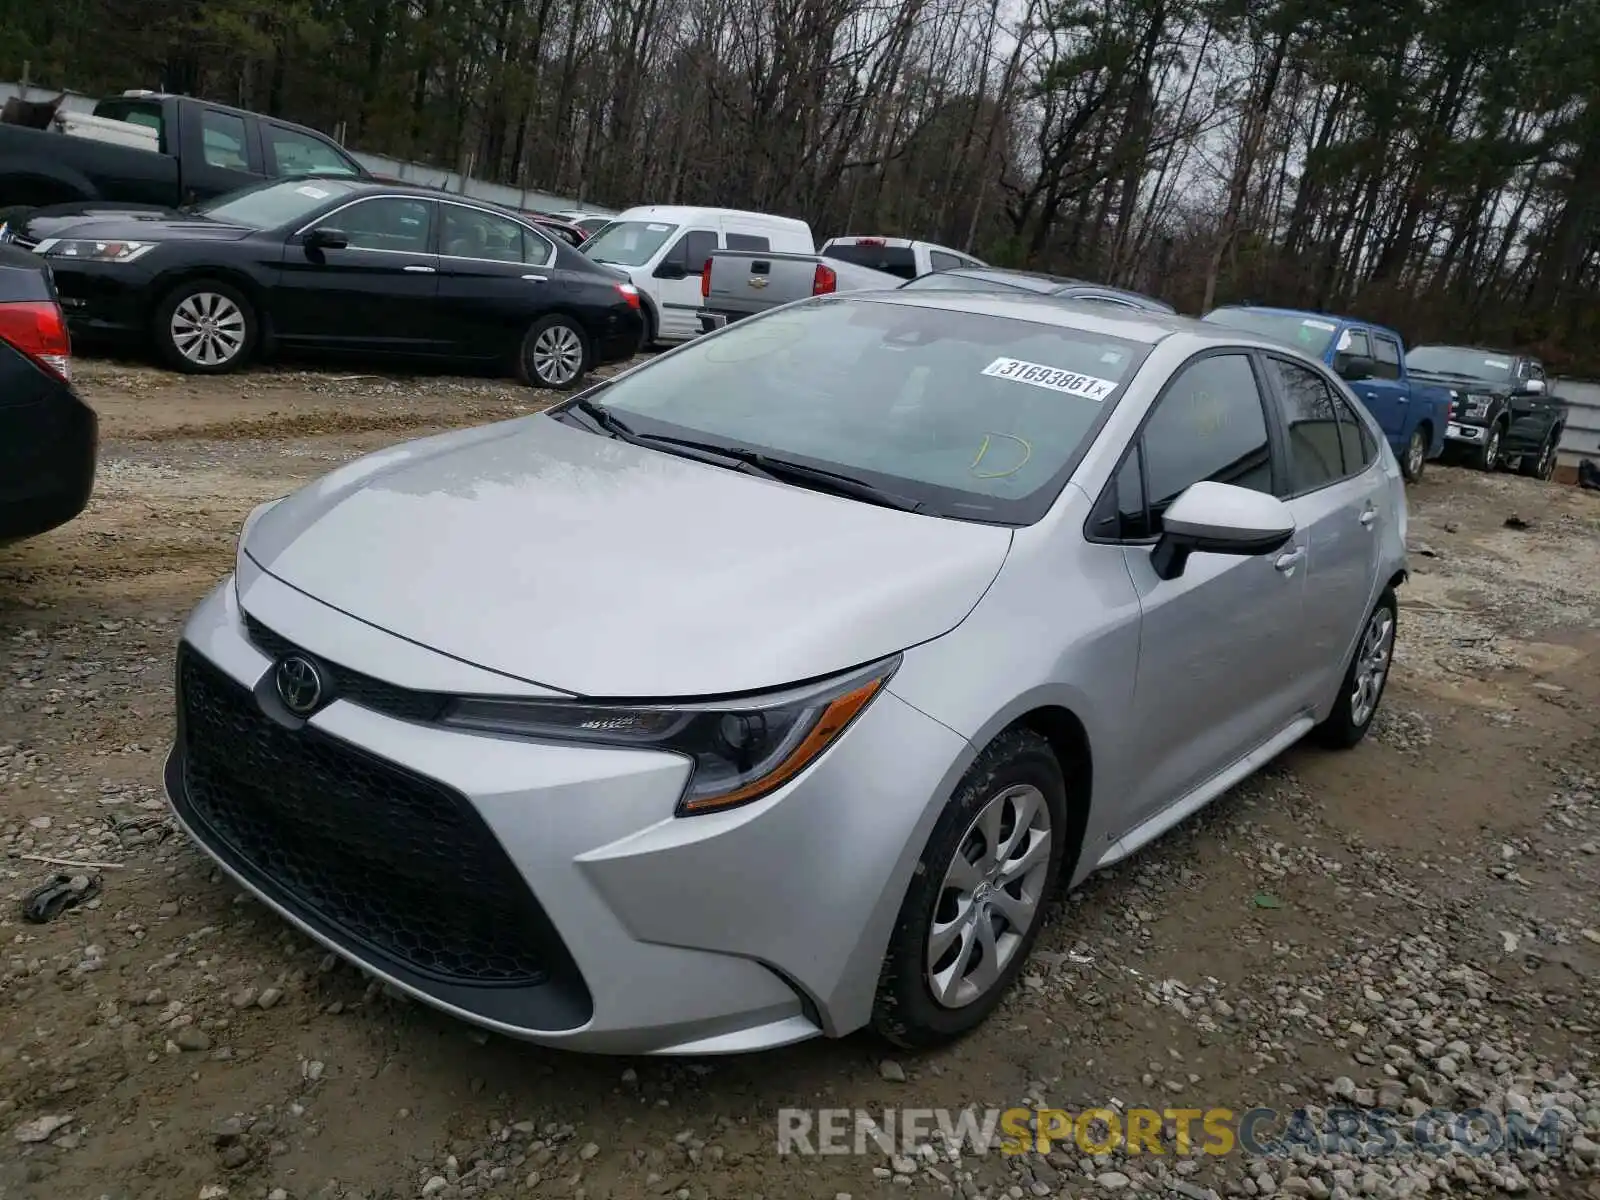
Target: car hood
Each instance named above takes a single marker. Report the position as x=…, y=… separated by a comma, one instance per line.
x=1459, y=383
x=131, y=225
x=604, y=569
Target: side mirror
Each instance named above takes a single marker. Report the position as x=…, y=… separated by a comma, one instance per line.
x=1219, y=518
x=671, y=269
x=1352, y=368
x=1533, y=387
x=327, y=239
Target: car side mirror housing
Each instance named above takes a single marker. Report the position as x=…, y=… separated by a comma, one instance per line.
x=1352, y=368
x=327, y=239
x=1533, y=387
x=1219, y=518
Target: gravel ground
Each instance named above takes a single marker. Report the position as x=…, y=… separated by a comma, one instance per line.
x=1415, y=924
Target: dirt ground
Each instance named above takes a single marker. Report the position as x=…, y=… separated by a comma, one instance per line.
x=1415, y=923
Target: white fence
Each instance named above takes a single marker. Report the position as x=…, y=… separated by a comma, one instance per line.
x=1581, y=438
x=410, y=172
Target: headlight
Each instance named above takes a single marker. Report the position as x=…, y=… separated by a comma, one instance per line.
x=1478, y=405
x=741, y=749
x=111, y=252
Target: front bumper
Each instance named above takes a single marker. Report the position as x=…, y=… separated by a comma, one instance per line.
x=546, y=891
x=104, y=301
x=1460, y=431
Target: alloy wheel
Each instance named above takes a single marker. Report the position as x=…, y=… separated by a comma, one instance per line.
x=1491, y=449
x=1414, y=455
x=991, y=896
x=1372, y=665
x=208, y=329
x=557, y=355
x=1547, y=459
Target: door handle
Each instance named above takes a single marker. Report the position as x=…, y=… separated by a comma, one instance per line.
x=1368, y=516
x=1290, y=560
x=536, y=278
x=418, y=269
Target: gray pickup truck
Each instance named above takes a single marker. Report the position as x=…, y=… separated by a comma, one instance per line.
x=741, y=283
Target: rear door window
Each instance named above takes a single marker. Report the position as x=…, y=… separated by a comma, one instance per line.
x=1386, y=357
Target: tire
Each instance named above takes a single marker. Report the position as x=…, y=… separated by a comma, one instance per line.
x=206, y=327
x=1416, y=456
x=554, y=354
x=1543, y=464
x=1487, y=457
x=1349, y=721
x=1017, y=769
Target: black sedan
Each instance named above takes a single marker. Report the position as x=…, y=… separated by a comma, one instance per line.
x=343, y=265
x=994, y=279
x=48, y=436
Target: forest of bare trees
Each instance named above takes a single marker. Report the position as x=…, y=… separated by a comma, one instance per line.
x=1430, y=163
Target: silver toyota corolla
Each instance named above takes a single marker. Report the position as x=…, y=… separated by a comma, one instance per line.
x=771, y=688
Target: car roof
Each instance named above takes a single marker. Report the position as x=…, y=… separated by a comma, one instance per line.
x=687, y=212
x=1130, y=324
x=1297, y=312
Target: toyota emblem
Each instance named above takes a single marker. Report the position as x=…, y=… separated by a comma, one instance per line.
x=299, y=685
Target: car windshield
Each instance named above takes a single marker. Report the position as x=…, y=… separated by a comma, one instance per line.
x=628, y=243
x=1450, y=360
x=976, y=417
x=1307, y=334
x=269, y=205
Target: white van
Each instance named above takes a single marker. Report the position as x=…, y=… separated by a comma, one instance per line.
x=664, y=247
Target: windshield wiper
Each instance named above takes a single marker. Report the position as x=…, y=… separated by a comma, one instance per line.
x=605, y=419
x=790, y=471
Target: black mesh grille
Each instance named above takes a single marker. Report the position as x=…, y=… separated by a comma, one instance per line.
x=401, y=703
x=395, y=862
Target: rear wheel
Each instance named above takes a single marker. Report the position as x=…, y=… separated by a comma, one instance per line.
x=1416, y=457
x=554, y=354
x=1361, y=691
x=1488, y=456
x=1543, y=464
x=206, y=327
x=977, y=901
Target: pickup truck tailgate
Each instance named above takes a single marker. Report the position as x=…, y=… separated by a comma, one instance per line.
x=748, y=282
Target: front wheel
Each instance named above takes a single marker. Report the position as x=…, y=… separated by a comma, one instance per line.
x=1543, y=464
x=1361, y=690
x=1488, y=457
x=1416, y=456
x=206, y=327
x=976, y=903
x=554, y=354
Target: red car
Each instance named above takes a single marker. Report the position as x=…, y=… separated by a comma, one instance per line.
x=573, y=235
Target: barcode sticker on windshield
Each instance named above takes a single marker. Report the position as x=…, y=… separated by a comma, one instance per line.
x=312, y=193
x=1054, y=378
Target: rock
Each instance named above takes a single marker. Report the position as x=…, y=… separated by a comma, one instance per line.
x=192, y=1038
x=1113, y=1181
x=269, y=997
x=1584, y=1148
x=233, y=1157
x=227, y=1130
x=1448, y=1067
x=213, y=1191
x=1344, y=1087
x=892, y=1071
x=277, y=1194
x=40, y=1128
x=589, y=1151
x=434, y=1186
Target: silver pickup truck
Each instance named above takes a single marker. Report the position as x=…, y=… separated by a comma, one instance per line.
x=741, y=283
